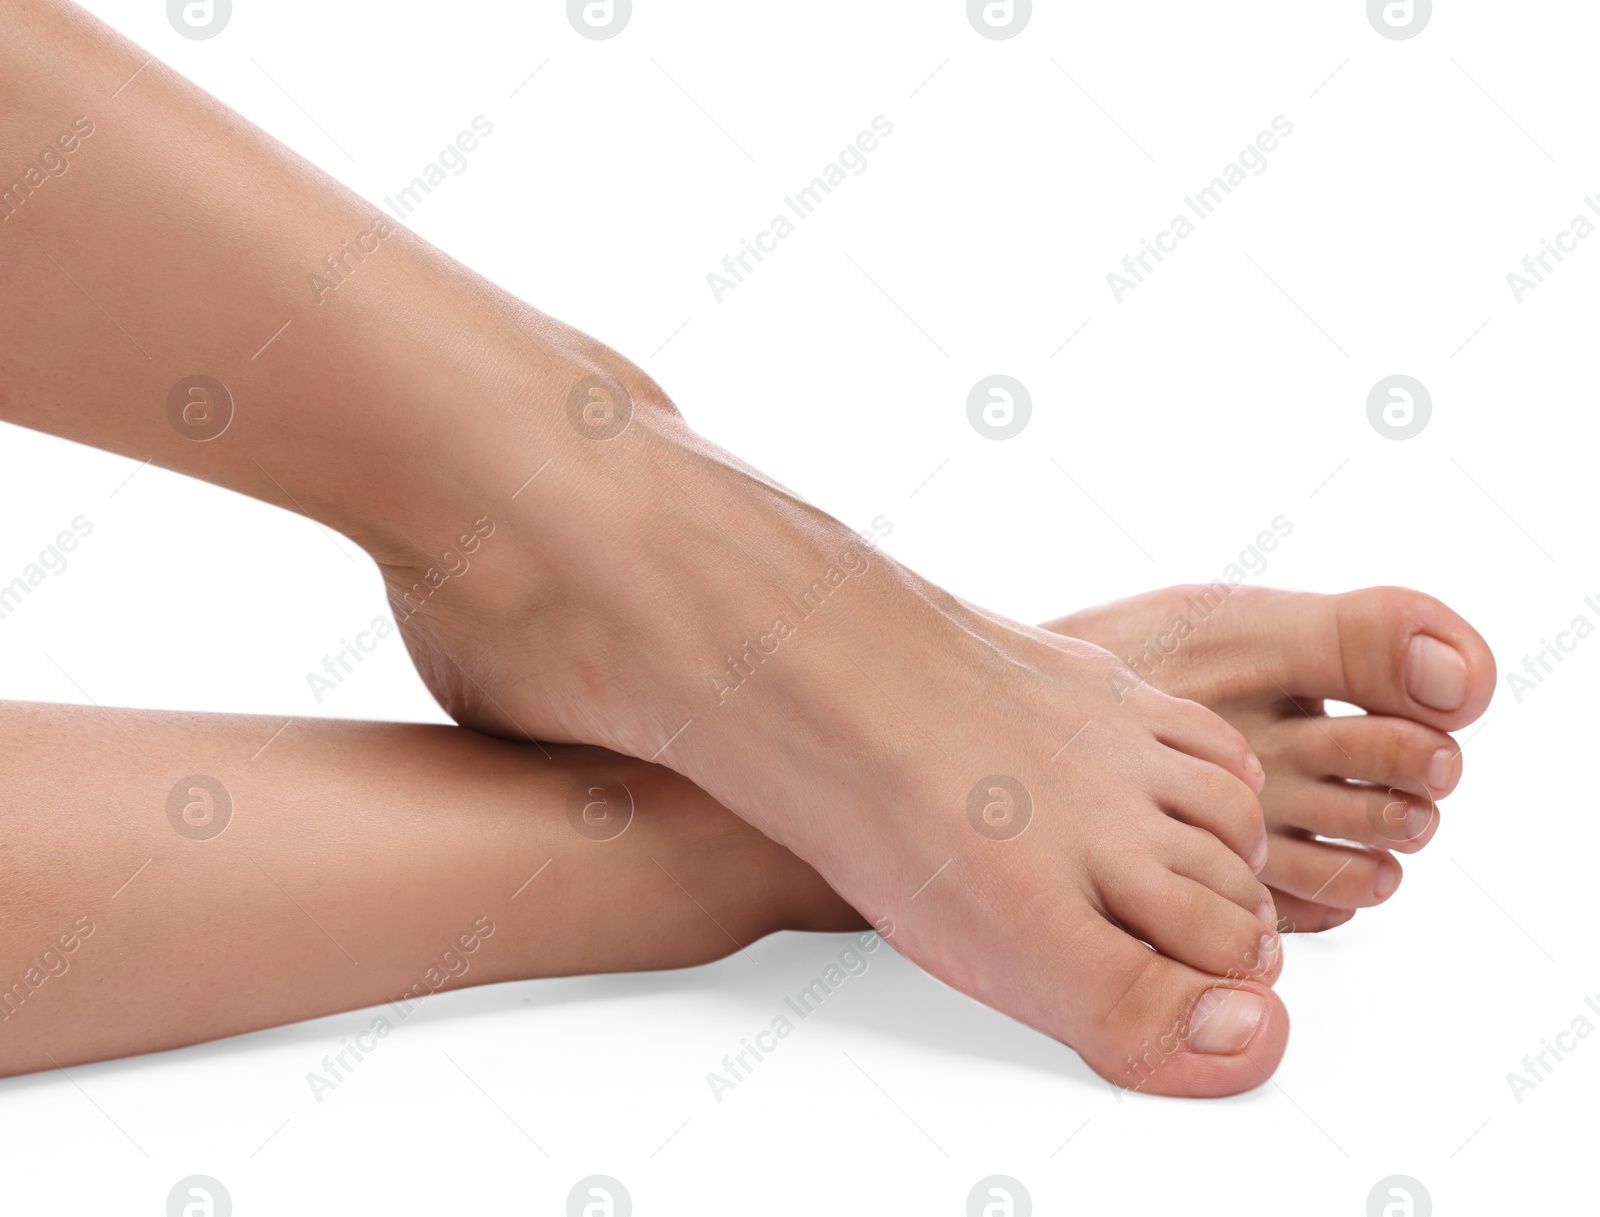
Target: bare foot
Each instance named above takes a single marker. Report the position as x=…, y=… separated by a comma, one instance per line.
x=976, y=788
x=632, y=586
x=1342, y=793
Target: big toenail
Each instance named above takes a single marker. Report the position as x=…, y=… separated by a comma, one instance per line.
x=1388, y=879
x=1225, y=1020
x=1439, y=767
x=1436, y=675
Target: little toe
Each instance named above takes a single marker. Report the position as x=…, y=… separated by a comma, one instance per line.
x=1297, y=916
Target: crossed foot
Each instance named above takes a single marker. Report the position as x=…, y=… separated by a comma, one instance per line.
x=1342, y=793
x=1090, y=852
x=1018, y=812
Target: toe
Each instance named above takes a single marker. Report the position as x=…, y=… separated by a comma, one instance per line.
x=1322, y=872
x=1365, y=748
x=1144, y=1022
x=1198, y=855
x=1206, y=796
x=1297, y=916
x=1190, y=923
x=1190, y=728
x=1386, y=649
x=1388, y=815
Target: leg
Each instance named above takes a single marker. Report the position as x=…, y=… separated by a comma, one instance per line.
x=978, y=782
x=160, y=884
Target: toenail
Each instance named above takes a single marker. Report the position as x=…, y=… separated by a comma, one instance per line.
x=1417, y=821
x=1439, y=767
x=1258, y=856
x=1436, y=675
x=1255, y=775
x=1267, y=912
x=1388, y=879
x=1225, y=1020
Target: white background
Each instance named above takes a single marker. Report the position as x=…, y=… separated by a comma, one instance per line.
x=1228, y=389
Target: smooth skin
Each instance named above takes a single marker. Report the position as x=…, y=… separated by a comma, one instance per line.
x=356, y=864
x=1345, y=793
x=420, y=403
x=632, y=568
x=355, y=856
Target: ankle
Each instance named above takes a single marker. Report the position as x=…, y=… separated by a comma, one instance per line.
x=648, y=561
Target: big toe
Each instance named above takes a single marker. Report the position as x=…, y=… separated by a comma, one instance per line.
x=1147, y=1023
x=1389, y=650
